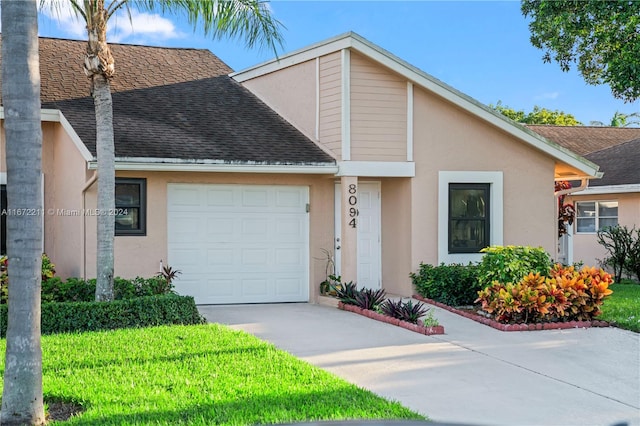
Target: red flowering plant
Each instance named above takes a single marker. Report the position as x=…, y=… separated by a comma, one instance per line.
x=566, y=212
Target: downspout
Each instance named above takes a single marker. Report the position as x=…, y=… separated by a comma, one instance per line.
x=88, y=185
x=557, y=194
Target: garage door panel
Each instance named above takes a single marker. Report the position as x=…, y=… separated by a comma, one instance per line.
x=256, y=197
x=186, y=198
x=253, y=287
x=257, y=229
x=287, y=287
x=243, y=244
x=288, y=198
x=223, y=197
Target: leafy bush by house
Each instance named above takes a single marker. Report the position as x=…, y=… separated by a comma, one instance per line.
x=565, y=295
x=454, y=285
x=48, y=272
x=79, y=290
x=510, y=264
x=623, y=247
x=65, y=317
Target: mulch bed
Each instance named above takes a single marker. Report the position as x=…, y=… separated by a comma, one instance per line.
x=418, y=328
x=513, y=327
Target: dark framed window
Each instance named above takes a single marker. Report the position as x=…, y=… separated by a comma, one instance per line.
x=131, y=206
x=469, y=217
x=3, y=219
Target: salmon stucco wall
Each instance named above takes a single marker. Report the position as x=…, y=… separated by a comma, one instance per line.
x=378, y=112
x=586, y=248
x=291, y=92
x=447, y=138
x=65, y=175
x=396, y=235
x=141, y=255
x=309, y=96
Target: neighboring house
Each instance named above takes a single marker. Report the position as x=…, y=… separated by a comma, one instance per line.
x=243, y=181
x=614, y=199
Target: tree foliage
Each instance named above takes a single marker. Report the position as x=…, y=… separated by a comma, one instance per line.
x=600, y=37
x=537, y=116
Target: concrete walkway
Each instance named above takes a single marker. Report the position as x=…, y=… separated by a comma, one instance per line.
x=473, y=374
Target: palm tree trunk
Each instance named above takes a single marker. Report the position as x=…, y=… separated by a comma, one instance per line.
x=99, y=67
x=22, y=393
x=106, y=187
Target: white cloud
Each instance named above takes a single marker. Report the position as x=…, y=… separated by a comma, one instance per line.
x=66, y=19
x=548, y=95
x=144, y=27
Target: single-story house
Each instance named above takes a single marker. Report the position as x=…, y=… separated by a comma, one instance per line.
x=243, y=181
x=614, y=199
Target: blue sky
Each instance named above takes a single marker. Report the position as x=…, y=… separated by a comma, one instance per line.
x=481, y=48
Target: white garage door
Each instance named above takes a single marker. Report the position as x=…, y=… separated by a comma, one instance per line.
x=239, y=243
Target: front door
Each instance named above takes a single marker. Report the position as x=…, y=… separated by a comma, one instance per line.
x=368, y=225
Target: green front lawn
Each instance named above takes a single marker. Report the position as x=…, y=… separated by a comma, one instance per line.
x=196, y=375
x=623, y=306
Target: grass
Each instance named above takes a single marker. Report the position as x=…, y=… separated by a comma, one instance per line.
x=622, y=308
x=196, y=375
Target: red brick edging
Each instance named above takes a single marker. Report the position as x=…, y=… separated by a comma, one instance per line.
x=514, y=327
x=438, y=329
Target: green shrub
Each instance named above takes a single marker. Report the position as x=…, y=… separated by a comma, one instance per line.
x=48, y=272
x=510, y=264
x=454, y=284
x=65, y=317
x=79, y=290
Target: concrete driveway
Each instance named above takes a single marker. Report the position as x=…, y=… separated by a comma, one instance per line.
x=473, y=374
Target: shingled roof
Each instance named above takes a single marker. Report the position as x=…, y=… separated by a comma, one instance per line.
x=620, y=163
x=615, y=149
x=172, y=103
x=584, y=140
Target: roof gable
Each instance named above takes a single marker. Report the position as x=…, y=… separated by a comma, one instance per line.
x=364, y=47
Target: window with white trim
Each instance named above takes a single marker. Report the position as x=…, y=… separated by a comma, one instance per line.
x=593, y=216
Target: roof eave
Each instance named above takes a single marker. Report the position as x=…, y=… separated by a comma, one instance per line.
x=200, y=165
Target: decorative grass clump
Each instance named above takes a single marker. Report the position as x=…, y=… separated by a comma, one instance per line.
x=195, y=375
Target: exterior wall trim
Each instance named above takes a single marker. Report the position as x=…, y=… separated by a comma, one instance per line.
x=609, y=189
x=173, y=165
x=409, y=121
x=376, y=169
x=496, y=211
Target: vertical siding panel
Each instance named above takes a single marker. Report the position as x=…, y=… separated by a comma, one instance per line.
x=378, y=112
x=330, y=103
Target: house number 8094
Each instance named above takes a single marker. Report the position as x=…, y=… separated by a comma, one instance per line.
x=353, y=201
